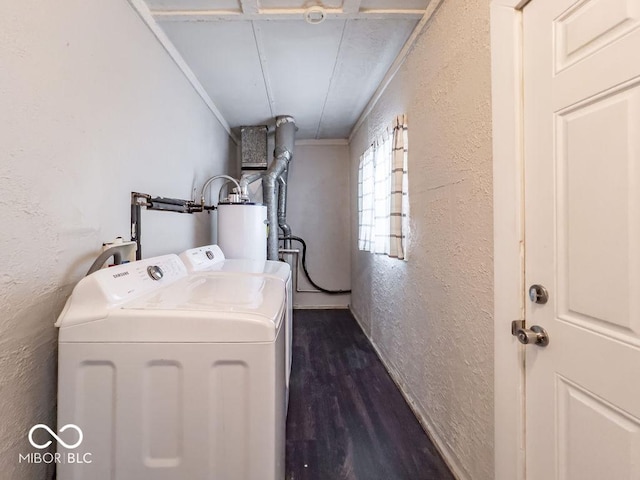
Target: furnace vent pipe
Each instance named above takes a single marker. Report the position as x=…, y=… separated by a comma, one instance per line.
x=246, y=180
x=283, y=153
x=282, y=207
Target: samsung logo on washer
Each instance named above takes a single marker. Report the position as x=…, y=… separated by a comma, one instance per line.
x=121, y=274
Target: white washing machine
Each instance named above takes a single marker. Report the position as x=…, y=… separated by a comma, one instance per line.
x=171, y=375
x=210, y=258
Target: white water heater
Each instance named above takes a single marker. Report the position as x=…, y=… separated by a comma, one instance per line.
x=242, y=230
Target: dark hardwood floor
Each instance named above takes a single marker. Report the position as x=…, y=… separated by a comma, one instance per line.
x=347, y=419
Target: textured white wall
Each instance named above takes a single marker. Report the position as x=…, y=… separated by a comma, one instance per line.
x=431, y=317
x=92, y=109
x=319, y=212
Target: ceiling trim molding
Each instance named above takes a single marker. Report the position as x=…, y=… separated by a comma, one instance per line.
x=322, y=142
x=279, y=14
x=420, y=28
x=145, y=14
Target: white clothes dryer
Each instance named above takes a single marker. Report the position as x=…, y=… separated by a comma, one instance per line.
x=210, y=258
x=171, y=375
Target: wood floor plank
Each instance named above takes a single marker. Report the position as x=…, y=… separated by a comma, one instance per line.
x=347, y=419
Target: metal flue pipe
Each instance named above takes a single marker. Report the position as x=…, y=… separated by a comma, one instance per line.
x=246, y=180
x=282, y=207
x=283, y=153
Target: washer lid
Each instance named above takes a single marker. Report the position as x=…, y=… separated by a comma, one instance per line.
x=200, y=308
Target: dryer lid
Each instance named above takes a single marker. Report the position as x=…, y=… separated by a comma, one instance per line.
x=272, y=268
x=210, y=258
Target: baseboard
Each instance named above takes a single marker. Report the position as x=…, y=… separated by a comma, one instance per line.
x=364, y=330
x=321, y=307
x=427, y=424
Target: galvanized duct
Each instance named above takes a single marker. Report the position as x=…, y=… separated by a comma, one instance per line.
x=246, y=180
x=282, y=207
x=276, y=203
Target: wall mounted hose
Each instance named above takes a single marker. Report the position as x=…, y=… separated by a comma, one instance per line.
x=306, y=272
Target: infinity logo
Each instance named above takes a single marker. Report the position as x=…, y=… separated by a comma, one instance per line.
x=58, y=439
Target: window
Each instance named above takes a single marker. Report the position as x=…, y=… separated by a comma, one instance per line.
x=383, y=201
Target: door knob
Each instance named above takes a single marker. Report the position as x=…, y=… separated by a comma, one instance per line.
x=535, y=335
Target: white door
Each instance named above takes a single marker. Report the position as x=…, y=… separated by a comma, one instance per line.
x=582, y=237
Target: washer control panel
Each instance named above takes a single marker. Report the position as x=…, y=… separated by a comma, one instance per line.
x=95, y=295
x=127, y=281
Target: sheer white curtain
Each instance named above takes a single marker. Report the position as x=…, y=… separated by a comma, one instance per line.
x=383, y=197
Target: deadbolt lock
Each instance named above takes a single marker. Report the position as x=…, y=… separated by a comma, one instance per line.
x=538, y=294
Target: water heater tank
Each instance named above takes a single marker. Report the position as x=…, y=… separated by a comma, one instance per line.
x=242, y=230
